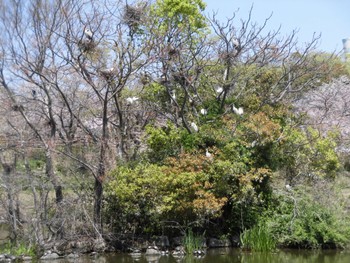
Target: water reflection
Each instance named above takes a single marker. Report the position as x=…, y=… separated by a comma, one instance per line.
x=222, y=256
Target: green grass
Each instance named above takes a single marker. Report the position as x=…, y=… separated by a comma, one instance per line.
x=258, y=238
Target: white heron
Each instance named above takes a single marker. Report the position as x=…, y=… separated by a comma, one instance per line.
x=235, y=43
x=225, y=75
x=131, y=100
x=219, y=90
x=238, y=111
x=254, y=143
x=173, y=95
x=207, y=154
x=203, y=111
x=107, y=70
x=194, y=127
x=88, y=33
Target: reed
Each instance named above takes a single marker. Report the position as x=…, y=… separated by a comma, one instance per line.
x=192, y=242
x=258, y=238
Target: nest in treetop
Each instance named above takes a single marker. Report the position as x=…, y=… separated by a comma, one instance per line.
x=17, y=107
x=132, y=15
x=179, y=78
x=228, y=57
x=108, y=74
x=145, y=79
x=87, y=46
x=172, y=52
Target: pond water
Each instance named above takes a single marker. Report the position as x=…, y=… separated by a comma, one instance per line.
x=225, y=256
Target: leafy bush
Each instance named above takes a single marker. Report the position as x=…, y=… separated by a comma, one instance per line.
x=163, y=142
x=147, y=194
x=300, y=221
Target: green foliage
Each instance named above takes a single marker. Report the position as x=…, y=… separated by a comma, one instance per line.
x=18, y=250
x=156, y=93
x=163, y=142
x=192, y=242
x=181, y=13
x=303, y=222
x=147, y=194
x=36, y=159
x=328, y=65
x=258, y=238
x=305, y=153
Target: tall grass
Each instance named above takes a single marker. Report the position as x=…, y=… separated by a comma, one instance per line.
x=258, y=238
x=192, y=242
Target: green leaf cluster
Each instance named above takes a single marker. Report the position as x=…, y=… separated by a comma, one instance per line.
x=301, y=221
x=307, y=152
x=145, y=195
x=180, y=13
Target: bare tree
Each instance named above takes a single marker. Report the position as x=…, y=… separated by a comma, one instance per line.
x=106, y=61
x=251, y=61
x=327, y=109
x=28, y=62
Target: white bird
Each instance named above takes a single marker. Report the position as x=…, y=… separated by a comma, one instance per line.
x=235, y=43
x=194, y=126
x=203, y=111
x=131, y=100
x=288, y=187
x=219, y=90
x=173, y=95
x=254, y=143
x=207, y=154
x=238, y=111
x=88, y=33
x=225, y=75
x=107, y=71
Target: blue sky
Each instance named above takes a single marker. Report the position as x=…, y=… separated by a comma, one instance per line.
x=331, y=18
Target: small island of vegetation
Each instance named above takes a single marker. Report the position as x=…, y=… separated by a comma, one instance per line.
x=129, y=125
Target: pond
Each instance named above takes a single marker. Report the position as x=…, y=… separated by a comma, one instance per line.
x=225, y=256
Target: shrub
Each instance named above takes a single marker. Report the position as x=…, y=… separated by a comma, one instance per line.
x=143, y=196
x=302, y=222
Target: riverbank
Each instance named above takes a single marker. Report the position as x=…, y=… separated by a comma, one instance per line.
x=218, y=255
x=136, y=246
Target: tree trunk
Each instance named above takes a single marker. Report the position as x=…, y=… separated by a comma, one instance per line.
x=98, y=204
x=57, y=224
x=12, y=209
x=50, y=172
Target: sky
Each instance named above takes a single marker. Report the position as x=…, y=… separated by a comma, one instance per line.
x=330, y=18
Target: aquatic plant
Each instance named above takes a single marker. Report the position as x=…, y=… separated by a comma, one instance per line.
x=258, y=238
x=192, y=242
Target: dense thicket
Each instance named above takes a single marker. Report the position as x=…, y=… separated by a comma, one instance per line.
x=150, y=118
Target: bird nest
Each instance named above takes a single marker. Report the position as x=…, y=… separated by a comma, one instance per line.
x=133, y=15
x=87, y=46
x=228, y=57
x=108, y=74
